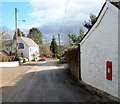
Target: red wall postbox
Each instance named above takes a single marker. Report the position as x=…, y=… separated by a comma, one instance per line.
x=109, y=70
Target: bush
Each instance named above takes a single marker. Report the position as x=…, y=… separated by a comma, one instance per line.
x=18, y=58
x=4, y=57
x=72, y=56
x=62, y=60
x=52, y=59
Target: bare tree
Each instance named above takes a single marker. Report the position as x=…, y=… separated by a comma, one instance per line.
x=45, y=49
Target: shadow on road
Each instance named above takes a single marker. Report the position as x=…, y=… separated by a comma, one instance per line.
x=40, y=63
x=31, y=63
x=52, y=85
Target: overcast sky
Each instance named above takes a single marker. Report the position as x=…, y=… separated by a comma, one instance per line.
x=50, y=16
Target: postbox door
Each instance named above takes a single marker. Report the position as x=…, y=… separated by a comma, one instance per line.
x=109, y=70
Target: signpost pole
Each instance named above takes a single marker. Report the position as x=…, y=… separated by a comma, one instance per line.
x=16, y=33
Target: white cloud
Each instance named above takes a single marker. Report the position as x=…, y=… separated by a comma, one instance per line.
x=53, y=10
x=26, y=28
x=14, y=0
x=50, y=14
x=29, y=26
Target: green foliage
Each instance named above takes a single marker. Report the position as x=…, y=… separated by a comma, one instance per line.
x=62, y=49
x=23, y=34
x=34, y=56
x=62, y=60
x=54, y=47
x=2, y=46
x=45, y=49
x=75, y=39
x=52, y=59
x=90, y=22
x=18, y=58
x=36, y=35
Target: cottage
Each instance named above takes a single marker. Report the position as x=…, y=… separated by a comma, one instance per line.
x=28, y=48
x=100, y=51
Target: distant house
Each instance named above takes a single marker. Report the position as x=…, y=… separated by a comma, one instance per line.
x=100, y=51
x=26, y=47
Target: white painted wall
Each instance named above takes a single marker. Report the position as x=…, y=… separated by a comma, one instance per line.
x=28, y=51
x=119, y=52
x=33, y=50
x=25, y=51
x=101, y=45
x=9, y=64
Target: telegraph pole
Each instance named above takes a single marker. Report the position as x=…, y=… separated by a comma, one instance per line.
x=16, y=28
x=119, y=4
x=59, y=44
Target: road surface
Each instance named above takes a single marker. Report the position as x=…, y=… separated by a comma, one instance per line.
x=47, y=82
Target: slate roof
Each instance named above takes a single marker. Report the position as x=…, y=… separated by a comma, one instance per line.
x=7, y=42
x=29, y=42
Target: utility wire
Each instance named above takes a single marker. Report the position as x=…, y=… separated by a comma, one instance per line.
x=63, y=17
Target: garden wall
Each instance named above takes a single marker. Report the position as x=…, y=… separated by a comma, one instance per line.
x=9, y=64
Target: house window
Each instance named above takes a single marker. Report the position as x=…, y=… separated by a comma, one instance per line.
x=20, y=46
x=30, y=49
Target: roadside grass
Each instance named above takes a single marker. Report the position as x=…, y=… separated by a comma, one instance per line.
x=62, y=60
x=52, y=59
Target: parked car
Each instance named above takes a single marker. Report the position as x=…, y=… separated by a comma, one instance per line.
x=42, y=59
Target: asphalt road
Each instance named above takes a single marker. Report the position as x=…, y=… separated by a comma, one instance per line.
x=47, y=82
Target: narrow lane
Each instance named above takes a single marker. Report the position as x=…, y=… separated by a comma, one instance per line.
x=47, y=83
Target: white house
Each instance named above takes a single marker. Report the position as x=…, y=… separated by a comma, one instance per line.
x=28, y=48
x=100, y=52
